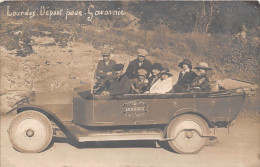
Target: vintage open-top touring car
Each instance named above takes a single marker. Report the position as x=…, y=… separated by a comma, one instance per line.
x=181, y=119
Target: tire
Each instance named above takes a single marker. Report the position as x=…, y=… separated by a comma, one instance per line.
x=187, y=142
x=30, y=132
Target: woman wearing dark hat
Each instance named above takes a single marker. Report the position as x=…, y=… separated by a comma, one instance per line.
x=185, y=77
x=201, y=82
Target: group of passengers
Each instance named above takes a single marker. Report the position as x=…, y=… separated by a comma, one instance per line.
x=143, y=77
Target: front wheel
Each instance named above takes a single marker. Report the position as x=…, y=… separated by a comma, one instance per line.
x=186, y=130
x=30, y=132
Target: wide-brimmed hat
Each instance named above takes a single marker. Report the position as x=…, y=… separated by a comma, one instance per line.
x=142, y=52
x=203, y=65
x=118, y=67
x=157, y=66
x=185, y=61
x=105, y=51
x=142, y=72
x=166, y=71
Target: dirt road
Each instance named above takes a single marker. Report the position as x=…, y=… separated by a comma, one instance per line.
x=240, y=148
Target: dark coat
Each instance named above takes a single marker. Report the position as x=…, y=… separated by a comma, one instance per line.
x=186, y=79
x=201, y=81
x=103, y=69
x=184, y=82
x=120, y=86
x=133, y=67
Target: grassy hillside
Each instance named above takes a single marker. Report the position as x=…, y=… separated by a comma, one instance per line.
x=57, y=55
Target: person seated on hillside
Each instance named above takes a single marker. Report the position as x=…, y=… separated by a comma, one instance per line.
x=121, y=83
x=156, y=74
x=139, y=85
x=139, y=63
x=185, y=77
x=104, y=74
x=201, y=82
x=162, y=85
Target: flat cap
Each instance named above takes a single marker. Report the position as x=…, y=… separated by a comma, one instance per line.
x=142, y=72
x=118, y=67
x=142, y=52
x=105, y=51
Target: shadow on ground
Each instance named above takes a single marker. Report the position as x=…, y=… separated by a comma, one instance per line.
x=112, y=144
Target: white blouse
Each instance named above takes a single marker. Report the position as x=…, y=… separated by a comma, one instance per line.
x=161, y=86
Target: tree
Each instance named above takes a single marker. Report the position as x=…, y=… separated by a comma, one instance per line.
x=205, y=15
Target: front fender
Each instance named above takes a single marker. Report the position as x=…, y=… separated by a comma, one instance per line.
x=50, y=115
x=46, y=112
x=36, y=108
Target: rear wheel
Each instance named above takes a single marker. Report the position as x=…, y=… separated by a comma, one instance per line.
x=184, y=130
x=30, y=132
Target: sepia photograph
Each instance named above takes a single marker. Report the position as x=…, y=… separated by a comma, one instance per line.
x=129, y=83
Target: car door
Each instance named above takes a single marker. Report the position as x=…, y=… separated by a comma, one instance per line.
x=103, y=110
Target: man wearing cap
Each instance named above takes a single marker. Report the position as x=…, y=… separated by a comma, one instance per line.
x=162, y=85
x=104, y=73
x=139, y=63
x=121, y=83
x=185, y=77
x=139, y=85
x=156, y=74
x=201, y=82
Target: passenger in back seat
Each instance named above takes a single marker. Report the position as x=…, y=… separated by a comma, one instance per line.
x=201, y=82
x=162, y=85
x=185, y=77
x=121, y=84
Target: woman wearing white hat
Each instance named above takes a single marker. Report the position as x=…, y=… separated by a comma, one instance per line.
x=162, y=85
x=201, y=82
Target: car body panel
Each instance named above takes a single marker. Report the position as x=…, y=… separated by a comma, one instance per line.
x=154, y=108
x=138, y=109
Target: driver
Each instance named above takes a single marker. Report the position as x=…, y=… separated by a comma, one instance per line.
x=121, y=83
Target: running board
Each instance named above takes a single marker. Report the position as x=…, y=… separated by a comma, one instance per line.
x=84, y=134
